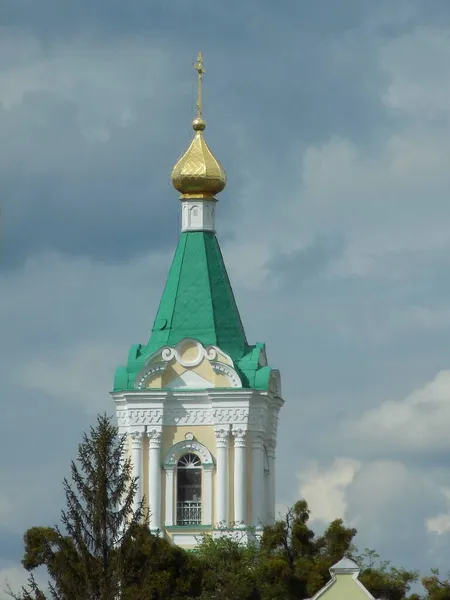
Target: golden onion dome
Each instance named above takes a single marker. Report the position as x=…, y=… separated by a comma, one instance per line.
x=198, y=174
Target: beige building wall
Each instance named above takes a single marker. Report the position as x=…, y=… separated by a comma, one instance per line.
x=344, y=584
x=344, y=588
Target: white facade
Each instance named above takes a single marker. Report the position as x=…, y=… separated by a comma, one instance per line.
x=232, y=432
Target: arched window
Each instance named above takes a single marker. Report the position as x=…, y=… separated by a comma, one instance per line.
x=189, y=490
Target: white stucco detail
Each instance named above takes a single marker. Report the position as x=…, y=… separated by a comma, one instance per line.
x=158, y=363
x=147, y=373
x=245, y=422
x=198, y=215
x=235, y=380
x=240, y=477
x=154, y=478
x=222, y=475
x=173, y=455
x=137, y=437
x=259, y=509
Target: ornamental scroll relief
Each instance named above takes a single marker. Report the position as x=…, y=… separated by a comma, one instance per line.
x=192, y=416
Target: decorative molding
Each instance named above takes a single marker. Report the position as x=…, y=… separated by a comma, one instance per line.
x=240, y=438
x=257, y=439
x=275, y=383
x=136, y=439
x=229, y=372
x=145, y=416
x=230, y=415
x=257, y=418
x=272, y=426
x=172, y=456
x=154, y=439
x=147, y=373
x=122, y=417
x=187, y=416
x=222, y=437
x=169, y=353
x=270, y=445
x=249, y=417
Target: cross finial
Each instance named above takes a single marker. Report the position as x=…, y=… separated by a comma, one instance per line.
x=200, y=70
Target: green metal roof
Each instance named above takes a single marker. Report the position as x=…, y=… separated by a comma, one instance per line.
x=198, y=302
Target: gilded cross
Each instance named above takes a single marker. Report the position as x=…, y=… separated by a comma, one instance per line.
x=200, y=70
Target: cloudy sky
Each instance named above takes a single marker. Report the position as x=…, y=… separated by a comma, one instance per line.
x=332, y=119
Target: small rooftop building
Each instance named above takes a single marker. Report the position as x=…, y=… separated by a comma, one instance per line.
x=344, y=583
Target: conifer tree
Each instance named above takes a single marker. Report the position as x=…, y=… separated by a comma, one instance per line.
x=86, y=559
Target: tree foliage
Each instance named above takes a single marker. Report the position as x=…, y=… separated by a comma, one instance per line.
x=382, y=579
x=436, y=587
x=230, y=568
x=104, y=549
x=296, y=562
x=292, y=562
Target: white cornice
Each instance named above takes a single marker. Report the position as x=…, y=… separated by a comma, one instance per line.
x=255, y=410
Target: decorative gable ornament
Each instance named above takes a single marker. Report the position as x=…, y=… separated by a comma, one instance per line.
x=189, y=354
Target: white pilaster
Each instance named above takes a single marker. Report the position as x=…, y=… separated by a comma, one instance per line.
x=240, y=477
x=169, y=496
x=198, y=215
x=136, y=460
x=207, y=495
x=258, y=483
x=222, y=436
x=154, y=478
x=270, y=483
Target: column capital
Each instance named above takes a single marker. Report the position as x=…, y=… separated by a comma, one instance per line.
x=240, y=437
x=136, y=439
x=257, y=439
x=154, y=439
x=222, y=436
x=271, y=447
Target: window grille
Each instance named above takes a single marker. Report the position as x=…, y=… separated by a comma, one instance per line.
x=189, y=490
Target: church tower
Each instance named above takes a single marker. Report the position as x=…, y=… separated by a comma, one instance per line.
x=198, y=403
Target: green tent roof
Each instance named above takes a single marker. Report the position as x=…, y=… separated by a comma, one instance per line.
x=198, y=302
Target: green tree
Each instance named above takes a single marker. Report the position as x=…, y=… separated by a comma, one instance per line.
x=382, y=579
x=436, y=587
x=294, y=561
x=82, y=558
x=229, y=568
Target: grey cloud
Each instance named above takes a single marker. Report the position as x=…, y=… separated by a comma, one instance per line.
x=84, y=172
x=310, y=262
x=63, y=190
